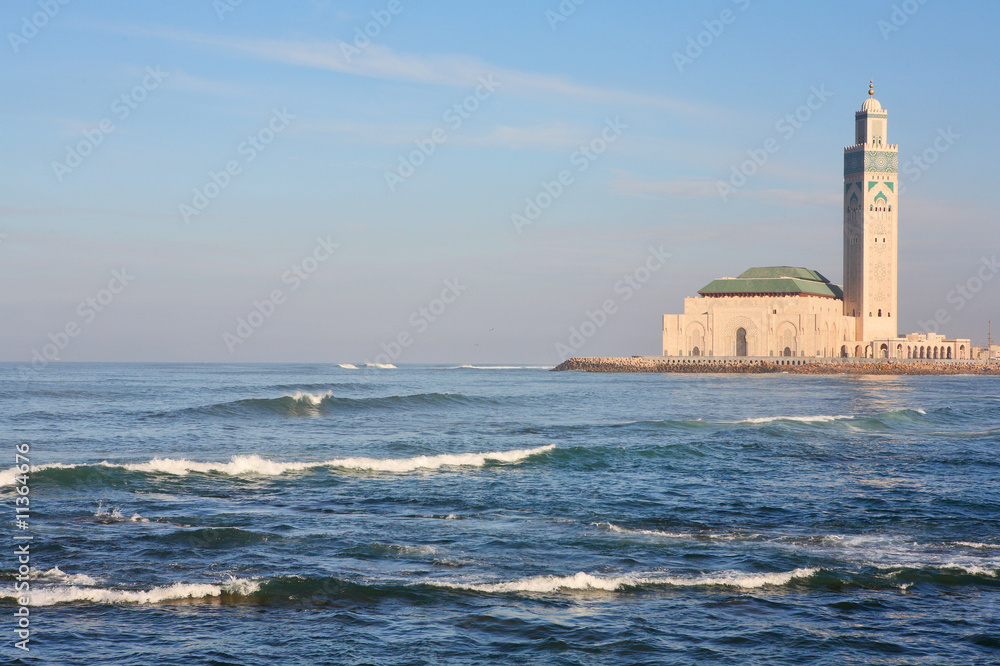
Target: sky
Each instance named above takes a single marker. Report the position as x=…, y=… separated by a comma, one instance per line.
x=418, y=181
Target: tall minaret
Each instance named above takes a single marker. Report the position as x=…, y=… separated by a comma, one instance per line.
x=870, y=227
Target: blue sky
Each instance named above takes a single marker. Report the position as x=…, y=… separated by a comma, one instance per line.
x=160, y=98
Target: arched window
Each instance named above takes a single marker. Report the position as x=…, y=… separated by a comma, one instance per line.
x=741, y=341
x=880, y=312
x=949, y=352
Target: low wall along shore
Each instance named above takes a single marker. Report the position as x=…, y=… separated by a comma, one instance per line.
x=799, y=366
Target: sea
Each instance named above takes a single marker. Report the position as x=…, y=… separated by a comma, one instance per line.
x=458, y=514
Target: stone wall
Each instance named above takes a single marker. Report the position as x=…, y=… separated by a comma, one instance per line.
x=751, y=366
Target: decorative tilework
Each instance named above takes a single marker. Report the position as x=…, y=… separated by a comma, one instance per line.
x=884, y=161
x=881, y=161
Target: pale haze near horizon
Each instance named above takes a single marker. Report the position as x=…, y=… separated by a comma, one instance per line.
x=168, y=99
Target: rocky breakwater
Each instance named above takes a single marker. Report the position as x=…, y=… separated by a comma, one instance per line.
x=640, y=364
x=821, y=367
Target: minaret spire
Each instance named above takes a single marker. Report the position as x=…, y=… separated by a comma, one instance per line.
x=871, y=87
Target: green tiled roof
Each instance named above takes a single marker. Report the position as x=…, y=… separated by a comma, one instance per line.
x=784, y=280
x=783, y=272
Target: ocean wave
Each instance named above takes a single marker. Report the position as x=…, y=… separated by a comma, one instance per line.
x=585, y=581
x=115, y=515
x=347, y=366
x=698, y=536
x=798, y=419
x=380, y=366
x=254, y=464
x=308, y=403
x=74, y=593
x=57, y=575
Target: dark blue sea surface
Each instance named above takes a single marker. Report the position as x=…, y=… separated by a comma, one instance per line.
x=318, y=514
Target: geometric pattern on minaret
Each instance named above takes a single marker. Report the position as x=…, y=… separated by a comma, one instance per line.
x=871, y=240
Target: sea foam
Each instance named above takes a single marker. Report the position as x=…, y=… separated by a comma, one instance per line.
x=58, y=594
x=585, y=581
x=254, y=464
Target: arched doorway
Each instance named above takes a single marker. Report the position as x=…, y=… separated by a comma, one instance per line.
x=899, y=351
x=787, y=352
x=961, y=352
x=935, y=352
x=921, y=352
x=884, y=351
x=843, y=351
x=741, y=341
x=949, y=353
x=857, y=351
x=695, y=352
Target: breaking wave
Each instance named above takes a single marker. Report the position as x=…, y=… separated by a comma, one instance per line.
x=87, y=593
x=585, y=581
x=309, y=403
x=254, y=464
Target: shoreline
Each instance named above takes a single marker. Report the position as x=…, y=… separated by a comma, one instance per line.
x=754, y=366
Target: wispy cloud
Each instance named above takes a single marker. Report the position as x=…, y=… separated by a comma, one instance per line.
x=626, y=185
x=380, y=62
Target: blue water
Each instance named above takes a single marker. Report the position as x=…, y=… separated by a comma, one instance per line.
x=309, y=514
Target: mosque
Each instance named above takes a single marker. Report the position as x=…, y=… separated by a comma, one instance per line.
x=788, y=311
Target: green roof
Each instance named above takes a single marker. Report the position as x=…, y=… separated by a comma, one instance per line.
x=784, y=280
x=783, y=272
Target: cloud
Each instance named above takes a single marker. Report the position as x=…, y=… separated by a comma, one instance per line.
x=626, y=185
x=380, y=62
x=547, y=135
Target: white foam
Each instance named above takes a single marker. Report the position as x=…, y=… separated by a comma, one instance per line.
x=585, y=581
x=381, y=366
x=976, y=544
x=347, y=366
x=58, y=594
x=55, y=573
x=311, y=398
x=254, y=464
x=800, y=419
x=732, y=536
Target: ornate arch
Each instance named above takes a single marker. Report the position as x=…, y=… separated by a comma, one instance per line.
x=753, y=336
x=694, y=336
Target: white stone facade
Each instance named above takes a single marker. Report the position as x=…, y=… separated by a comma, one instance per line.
x=863, y=322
